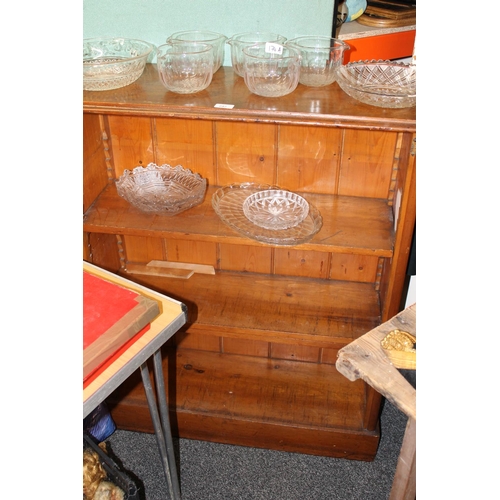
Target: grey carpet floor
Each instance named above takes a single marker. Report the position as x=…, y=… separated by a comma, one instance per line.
x=212, y=471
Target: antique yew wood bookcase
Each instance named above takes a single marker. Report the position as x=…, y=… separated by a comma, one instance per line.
x=255, y=364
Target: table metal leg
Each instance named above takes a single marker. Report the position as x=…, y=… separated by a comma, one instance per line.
x=161, y=423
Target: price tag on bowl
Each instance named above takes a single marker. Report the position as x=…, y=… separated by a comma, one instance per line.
x=274, y=48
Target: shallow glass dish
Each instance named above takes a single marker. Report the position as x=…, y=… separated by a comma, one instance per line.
x=161, y=189
x=386, y=84
x=275, y=209
x=228, y=203
x=111, y=63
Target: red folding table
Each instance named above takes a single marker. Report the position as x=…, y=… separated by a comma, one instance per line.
x=134, y=352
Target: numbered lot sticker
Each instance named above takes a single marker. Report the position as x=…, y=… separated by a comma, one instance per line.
x=274, y=48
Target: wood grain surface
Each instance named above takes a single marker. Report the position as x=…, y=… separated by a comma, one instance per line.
x=366, y=359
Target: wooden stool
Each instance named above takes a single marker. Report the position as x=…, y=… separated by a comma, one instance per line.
x=365, y=358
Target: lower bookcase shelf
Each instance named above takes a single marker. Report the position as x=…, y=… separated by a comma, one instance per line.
x=250, y=401
x=269, y=308
x=255, y=364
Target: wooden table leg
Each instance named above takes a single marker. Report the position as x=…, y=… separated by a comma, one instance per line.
x=404, y=484
x=366, y=359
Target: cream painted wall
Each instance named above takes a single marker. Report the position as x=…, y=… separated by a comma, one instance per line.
x=154, y=20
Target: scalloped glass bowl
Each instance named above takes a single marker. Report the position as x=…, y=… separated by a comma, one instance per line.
x=111, y=63
x=386, y=84
x=275, y=209
x=161, y=189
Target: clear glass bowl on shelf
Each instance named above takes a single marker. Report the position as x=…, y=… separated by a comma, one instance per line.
x=217, y=40
x=275, y=209
x=241, y=40
x=228, y=203
x=161, y=189
x=320, y=58
x=111, y=63
x=185, y=67
x=271, y=69
x=387, y=84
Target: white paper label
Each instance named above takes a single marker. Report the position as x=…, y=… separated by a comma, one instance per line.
x=225, y=106
x=274, y=48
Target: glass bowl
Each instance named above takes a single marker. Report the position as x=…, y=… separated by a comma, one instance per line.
x=185, y=67
x=111, y=63
x=228, y=202
x=271, y=69
x=218, y=41
x=161, y=189
x=320, y=58
x=275, y=209
x=239, y=41
x=386, y=84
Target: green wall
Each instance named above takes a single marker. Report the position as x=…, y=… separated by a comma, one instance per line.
x=154, y=20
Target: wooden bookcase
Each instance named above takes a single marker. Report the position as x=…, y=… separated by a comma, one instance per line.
x=255, y=364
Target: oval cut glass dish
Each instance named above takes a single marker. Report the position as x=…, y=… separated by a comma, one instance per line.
x=161, y=189
x=228, y=203
x=275, y=209
x=387, y=84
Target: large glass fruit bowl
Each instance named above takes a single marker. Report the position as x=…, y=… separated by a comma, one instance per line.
x=386, y=84
x=161, y=189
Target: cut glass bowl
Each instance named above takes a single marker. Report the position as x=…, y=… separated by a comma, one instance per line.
x=386, y=84
x=111, y=63
x=241, y=40
x=185, y=67
x=161, y=189
x=275, y=209
x=271, y=69
x=320, y=58
x=217, y=40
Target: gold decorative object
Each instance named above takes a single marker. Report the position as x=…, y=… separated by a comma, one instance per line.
x=400, y=347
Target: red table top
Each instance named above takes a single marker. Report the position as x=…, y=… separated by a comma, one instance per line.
x=113, y=317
